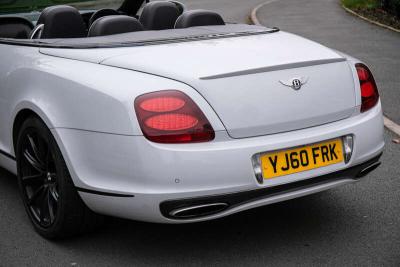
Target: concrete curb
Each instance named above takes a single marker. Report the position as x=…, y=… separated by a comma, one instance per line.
x=369, y=20
x=389, y=124
x=253, y=15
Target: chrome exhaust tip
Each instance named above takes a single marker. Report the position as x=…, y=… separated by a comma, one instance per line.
x=197, y=211
x=368, y=169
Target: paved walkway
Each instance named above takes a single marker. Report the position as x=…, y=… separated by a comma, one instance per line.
x=231, y=10
x=326, y=22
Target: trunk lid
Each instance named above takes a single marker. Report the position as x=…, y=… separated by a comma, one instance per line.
x=247, y=79
x=243, y=80
x=264, y=103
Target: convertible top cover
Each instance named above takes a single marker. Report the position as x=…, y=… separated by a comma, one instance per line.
x=147, y=37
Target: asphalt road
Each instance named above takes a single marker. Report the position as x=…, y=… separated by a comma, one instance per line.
x=351, y=225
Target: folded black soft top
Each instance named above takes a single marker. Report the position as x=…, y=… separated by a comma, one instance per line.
x=147, y=37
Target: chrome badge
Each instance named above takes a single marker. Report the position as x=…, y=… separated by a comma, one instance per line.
x=295, y=83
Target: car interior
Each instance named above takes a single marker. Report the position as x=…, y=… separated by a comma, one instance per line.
x=63, y=21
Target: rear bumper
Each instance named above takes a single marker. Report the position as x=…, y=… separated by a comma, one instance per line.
x=170, y=208
x=130, y=177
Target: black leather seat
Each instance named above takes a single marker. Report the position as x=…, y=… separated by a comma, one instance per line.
x=159, y=15
x=102, y=13
x=60, y=22
x=113, y=25
x=15, y=27
x=195, y=18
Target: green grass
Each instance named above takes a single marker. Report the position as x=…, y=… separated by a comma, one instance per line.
x=361, y=3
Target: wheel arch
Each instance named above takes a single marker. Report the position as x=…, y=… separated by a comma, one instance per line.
x=27, y=110
x=24, y=111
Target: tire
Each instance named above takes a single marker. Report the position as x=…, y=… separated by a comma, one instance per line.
x=50, y=198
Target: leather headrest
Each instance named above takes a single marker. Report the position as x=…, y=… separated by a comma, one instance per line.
x=102, y=13
x=15, y=27
x=193, y=18
x=61, y=22
x=159, y=15
x=113, y=25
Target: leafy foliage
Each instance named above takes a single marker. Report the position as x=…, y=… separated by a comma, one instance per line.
x=19, y=6
x=391, y=6
x=362, y=3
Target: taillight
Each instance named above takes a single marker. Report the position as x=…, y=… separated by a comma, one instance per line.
x=369, y=90
x=172, y=117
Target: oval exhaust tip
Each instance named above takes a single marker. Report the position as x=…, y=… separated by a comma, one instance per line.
x=192, y=212
x=368, y=169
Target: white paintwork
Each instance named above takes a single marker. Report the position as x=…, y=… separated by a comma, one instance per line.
x=218, y=167
x=266, y=106
x=226, y=54
x=86, y=98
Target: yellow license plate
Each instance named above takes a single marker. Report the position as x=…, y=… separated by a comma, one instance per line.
x=301, y=159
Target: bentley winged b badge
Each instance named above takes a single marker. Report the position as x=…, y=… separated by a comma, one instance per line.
x=295, y=83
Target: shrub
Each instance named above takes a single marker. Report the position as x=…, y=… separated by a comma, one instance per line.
x=391, y=6
x=362, y=3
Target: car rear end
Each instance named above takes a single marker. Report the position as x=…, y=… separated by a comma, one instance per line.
x=177, y=183
x=225, y=134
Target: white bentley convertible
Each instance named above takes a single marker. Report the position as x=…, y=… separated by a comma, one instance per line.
x=173, y=115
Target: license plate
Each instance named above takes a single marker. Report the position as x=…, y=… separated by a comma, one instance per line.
x=299, y=159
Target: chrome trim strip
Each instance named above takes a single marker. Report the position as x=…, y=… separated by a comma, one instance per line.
x=275, y=68
x=39, y=27
x=175, y=213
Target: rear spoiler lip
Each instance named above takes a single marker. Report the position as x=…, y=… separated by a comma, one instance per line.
x=275, y=68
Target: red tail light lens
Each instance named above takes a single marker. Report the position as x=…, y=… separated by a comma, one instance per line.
x=162, y=104
x=369, y=90
x=172, y=117
x=171, y=122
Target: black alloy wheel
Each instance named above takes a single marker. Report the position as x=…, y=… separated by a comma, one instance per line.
x=50, y=198
x=39, y=178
